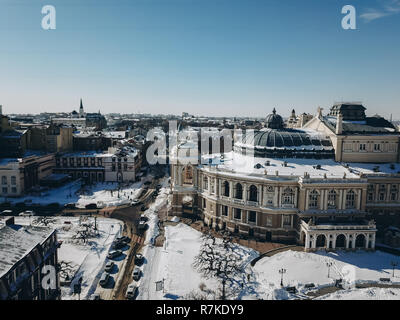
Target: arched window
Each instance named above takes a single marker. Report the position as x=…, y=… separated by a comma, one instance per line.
x=253, y=193
x=288, y=196
x=238, y=191
x=350, y=199
x=205, y=183
x=226, y=189
x=313, y=199
x=188, y=175
x=332, y=199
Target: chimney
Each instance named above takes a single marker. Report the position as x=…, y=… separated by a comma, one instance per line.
x=339, y=124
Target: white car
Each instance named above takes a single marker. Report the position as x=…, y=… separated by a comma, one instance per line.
x=131, y=291
x=27, y=213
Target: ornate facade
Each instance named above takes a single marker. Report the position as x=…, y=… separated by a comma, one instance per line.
x=312, y=201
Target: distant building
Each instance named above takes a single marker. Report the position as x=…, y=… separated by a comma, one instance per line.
x=83, y=119
x=298, y=121
x=19, y=175
x=24, y=251
x=356, y=137
x=53, y=138
x=115, y=165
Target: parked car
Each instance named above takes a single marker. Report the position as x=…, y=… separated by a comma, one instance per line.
x=143, y=208
x=91, y=206
x=131, y=291
x=70, y=205
x=6, y=213
x=95, y=296
x=109, y=266
x=142, y=225
x=138, y=258
x=143, y=217
x=27, y=213
x=118, y=245
x=114, y=254
x=124, y=239
x=136, y=273
x=136, y=202
x=104, y=279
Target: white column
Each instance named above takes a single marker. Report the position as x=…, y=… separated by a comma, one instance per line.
x=347, y=241
x=373, y=241
x=359, y=200
x=209, y=184
x=321, y=200
x=230, y=189
x=307, y=199
x=295, y=197
x=307, y=241
x=276, y=197
x=344, y=199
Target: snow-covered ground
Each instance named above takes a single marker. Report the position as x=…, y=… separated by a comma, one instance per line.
x=302, y=268
x=173, y=263
x=364, y=294
x=104, y=194
x=84, y=260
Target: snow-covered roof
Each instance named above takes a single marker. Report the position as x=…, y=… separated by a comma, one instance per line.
x=17, y=241
x=246, y=165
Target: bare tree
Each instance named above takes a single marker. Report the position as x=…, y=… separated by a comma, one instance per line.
x=218, y=258
x=43, y=221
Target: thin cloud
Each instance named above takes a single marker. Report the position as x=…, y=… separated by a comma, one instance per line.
x=390, y=8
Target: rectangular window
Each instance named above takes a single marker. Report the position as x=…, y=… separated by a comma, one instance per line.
x=238, y=214
x=269, y=221
x=3, y=180
x=14, y=190
x=5, y=190
x=225, y=211
x=363, y=146
x=252, y=217
x=377, y=147
x=13, y=180
x=287, y=220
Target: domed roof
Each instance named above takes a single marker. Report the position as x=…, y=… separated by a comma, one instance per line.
x=274, y=121
x=286, y=143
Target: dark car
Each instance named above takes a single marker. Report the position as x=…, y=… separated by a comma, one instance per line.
x=69, y=206
x=123, y=239
x=114, y=254
x=104, y=279
x=138, y=258
x=91, y=206
x=143, y=208
x=118, y=245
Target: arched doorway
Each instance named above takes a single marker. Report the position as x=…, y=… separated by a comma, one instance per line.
x=321, y=241
x=360, y=241
x=341, y=241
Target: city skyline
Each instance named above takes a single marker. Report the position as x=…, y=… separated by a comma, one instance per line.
x=216, y=58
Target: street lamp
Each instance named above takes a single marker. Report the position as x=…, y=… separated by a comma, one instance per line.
x=394, y=265
x=329, y=265
x=282, y=271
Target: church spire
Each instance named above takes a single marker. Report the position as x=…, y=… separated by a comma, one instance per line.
x=81, y=113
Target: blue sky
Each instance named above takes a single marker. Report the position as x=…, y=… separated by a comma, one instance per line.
x=206, y=57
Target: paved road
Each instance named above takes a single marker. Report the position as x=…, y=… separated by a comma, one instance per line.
x=131, y=216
